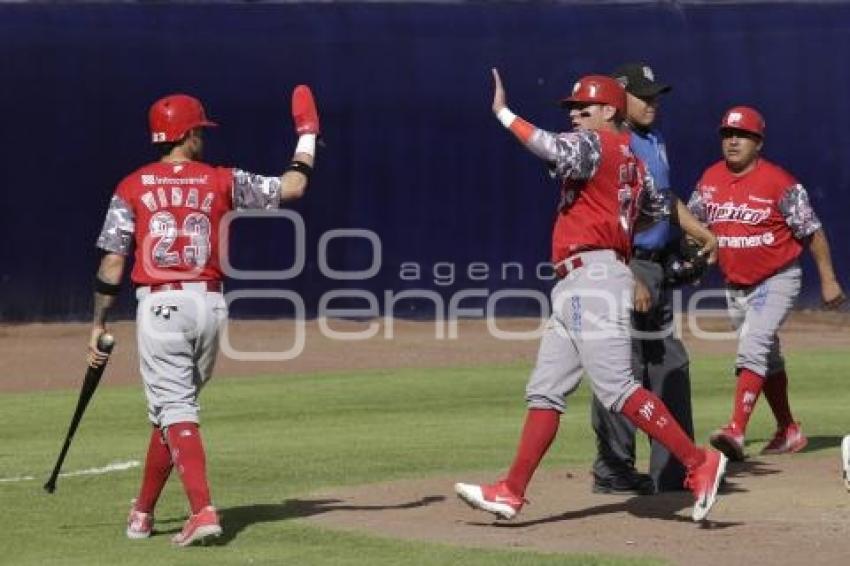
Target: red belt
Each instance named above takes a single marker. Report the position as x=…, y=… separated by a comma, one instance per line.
x=212, y=286
x=573, y=262
x=570, y=264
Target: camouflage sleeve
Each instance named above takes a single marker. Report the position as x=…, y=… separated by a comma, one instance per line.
x=117, y=233
x=572, y=155
x=798, y=212
x=255, y=191
x=697, y=207
x=654, y=205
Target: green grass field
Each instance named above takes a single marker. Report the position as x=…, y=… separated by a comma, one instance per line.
x=273, y=439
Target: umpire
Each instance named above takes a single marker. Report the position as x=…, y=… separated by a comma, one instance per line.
x=660, y=361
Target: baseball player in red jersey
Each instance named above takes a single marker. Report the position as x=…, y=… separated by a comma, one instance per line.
x=170, y=211
x=762, y=218
x=602, y=184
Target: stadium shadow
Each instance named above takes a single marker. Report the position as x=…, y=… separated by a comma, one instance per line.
x=749, y=467
x=816, y=443
x=236, y=519
x=662, y=506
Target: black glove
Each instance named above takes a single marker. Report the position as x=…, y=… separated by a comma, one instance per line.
x=686, y=266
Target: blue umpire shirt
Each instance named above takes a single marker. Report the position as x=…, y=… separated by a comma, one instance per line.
x=649, y=147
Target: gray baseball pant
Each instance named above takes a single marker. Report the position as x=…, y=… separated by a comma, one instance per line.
x=757, y=312
x=589, y=330
x=177, y=333
x=661, y=364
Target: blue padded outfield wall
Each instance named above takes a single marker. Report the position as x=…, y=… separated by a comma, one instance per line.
x=413, y=152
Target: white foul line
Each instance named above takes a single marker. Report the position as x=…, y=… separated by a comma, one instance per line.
x=113, y=467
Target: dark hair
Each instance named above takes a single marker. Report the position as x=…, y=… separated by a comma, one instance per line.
x=165, y=148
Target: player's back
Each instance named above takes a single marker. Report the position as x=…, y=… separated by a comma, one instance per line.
x=177, y=208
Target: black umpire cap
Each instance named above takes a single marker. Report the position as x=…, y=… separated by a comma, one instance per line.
x=639, y=80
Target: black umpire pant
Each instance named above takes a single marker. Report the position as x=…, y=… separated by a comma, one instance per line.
x=661, y=364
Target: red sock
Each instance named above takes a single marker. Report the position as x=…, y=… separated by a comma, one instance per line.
x=157, y=469
x=650, y=414
x=776, y=393
x=541, y=426
x=187, y=452
x=746, y=394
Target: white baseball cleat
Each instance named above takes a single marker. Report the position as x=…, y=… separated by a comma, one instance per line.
x=704, y=481
x=494, y=498
x=845, y=461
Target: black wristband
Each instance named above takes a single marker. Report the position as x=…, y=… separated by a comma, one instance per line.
x=104, y=288
x=300, y=167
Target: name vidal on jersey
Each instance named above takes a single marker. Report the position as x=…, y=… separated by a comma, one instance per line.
x=173, y=196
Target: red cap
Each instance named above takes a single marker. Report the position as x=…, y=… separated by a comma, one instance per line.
x=743, y=118
x=598, y=89
x=172, y=116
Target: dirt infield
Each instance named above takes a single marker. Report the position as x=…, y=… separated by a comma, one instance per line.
x=772, y=523
x=49, y=356
x=763, y=519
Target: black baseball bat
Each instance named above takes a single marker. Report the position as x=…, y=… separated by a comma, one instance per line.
x=105, y=343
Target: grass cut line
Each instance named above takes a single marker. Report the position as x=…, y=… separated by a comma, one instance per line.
x=112, y=467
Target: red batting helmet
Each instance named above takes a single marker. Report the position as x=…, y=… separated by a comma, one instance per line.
x=598, y=89
x=172, y=116
x=743, y=118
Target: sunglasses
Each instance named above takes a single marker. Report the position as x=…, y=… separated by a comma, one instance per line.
x=583, y=112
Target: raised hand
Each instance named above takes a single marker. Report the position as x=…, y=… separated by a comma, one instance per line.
x=499, y=100
x=304, y=112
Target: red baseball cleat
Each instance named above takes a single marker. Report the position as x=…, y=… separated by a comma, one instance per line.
x=704, y=480
x=494, y=498
x=787, y=440
x=200, y=527
x=729, y=441
x=139, y=525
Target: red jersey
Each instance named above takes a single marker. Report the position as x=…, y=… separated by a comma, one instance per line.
x=172, y=212
x=601, y=184
x=759, y=219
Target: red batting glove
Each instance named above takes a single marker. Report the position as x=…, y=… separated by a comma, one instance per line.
x=304, y=112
